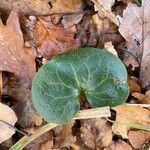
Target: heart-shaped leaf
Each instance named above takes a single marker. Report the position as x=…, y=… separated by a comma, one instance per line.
x=95, y=73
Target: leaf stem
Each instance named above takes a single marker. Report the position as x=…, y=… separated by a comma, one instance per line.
x=83, y=114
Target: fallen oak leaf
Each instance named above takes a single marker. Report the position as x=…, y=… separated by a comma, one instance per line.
x=130, y=116
x=53, y=39
x=7, y=121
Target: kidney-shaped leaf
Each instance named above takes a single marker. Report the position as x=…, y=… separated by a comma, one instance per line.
x=94, y=73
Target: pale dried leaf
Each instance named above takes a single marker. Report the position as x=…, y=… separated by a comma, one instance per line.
x=96, y=133
x=104, y=7
x=134, y=114
x=7, y=115
x=135, y=28
x=110, y=47
x=138, y=138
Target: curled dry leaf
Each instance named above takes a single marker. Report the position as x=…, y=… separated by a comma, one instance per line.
x=138, y=138
x=135, y=28
x=119, y=145
x=53, y=39
x=7, y=115
x=134, y=114
x=96, y=133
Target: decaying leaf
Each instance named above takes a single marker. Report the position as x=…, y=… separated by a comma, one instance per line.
x=63, y=135
x=14, y=57
x=19, y=60
x=138, y=138
x=135, y=28
x=6, y=115
x=53, y=39
x=134, y=114
x=44, y=142
x=119, y=145
x=105, y=30
x=96, y=133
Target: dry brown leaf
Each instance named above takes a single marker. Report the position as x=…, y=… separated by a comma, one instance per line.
x=138, y=138
x=145, y=99
x=63, y=135
x=134, y=86
x=134, y=114
x=53, y=39
x=119, y=145
x=110, y=47
x=96, y=133
x=44, y=142
x=7, y=115
x=104, y=8
x=135, y=28
x=19, y=60
x=46, y=145
x=37, y=7
x=65, y=6
x=105, y=31
x=71, y=20
x=14, y=57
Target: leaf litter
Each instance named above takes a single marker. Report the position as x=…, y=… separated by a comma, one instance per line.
x=70, y=25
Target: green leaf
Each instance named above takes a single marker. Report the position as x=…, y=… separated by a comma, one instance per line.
x=95, y=73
